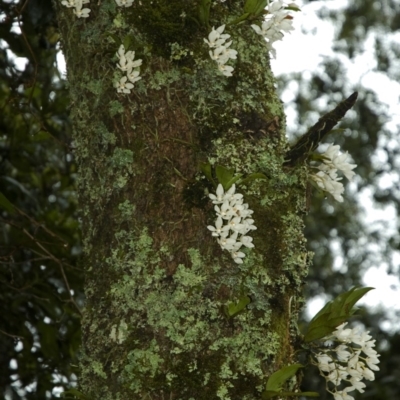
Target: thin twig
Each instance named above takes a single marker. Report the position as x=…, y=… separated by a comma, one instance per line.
x=57, y=261
x=11, y=336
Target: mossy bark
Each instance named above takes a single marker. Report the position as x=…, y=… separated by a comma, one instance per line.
x=156, y=280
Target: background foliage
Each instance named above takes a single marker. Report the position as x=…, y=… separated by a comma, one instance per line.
x=41, y=281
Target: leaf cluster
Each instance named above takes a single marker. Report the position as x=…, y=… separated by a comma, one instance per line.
x=334, y=313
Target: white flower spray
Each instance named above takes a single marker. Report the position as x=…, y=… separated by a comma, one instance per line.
x=233, y=222
x=326, y=178
x=77, y=7
x=277, y=21
x=352, y=360
x=221, y=53
x=130, y=66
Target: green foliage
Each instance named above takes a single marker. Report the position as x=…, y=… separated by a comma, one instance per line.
x=204, y=12
x=252, y=177
x=279, y=378
x=255, y=7
x=207, y=171
x=334, y=313
x=235, y=308
x=40, y=281
x=226, y=177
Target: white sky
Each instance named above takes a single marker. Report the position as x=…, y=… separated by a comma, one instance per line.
x=299, y=52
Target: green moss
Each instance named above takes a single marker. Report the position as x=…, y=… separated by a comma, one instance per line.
x=181, y=315
x=122, y=158
x=178, y=52
x=146, y=362
x=104, y=136
x=119, y=21
x=115, y=107
x=160, y=79
x=98, y=369
x=127, y=209
x=95, y=86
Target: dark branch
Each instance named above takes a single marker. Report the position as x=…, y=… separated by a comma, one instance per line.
x=310, y=140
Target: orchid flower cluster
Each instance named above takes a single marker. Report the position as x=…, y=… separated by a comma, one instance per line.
x=77, y=5
x=127, y=64
x=277, y=21
x=220, y=52
x=353, y=360
x=326, y=178
x=233, y=222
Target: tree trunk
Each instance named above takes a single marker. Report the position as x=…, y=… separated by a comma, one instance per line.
x=157, y=282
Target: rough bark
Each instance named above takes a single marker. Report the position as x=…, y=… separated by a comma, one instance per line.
x=156, y=281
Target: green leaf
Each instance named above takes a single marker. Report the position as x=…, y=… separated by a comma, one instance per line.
x=250, y=6
x=334, y=313
x=294, y=8
x=270, y=394
x=235, y=308
x=261, y=6
x=318, y=332
x=255, y=7
x=354, y=295
x=343, y=304
x=233, y=180
x=127, y=42
x=243, y=17
x=224, y=175
x=254, y=176
x=207, y=171
x=204, y=12
x=278, y=378
x=7, y=205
